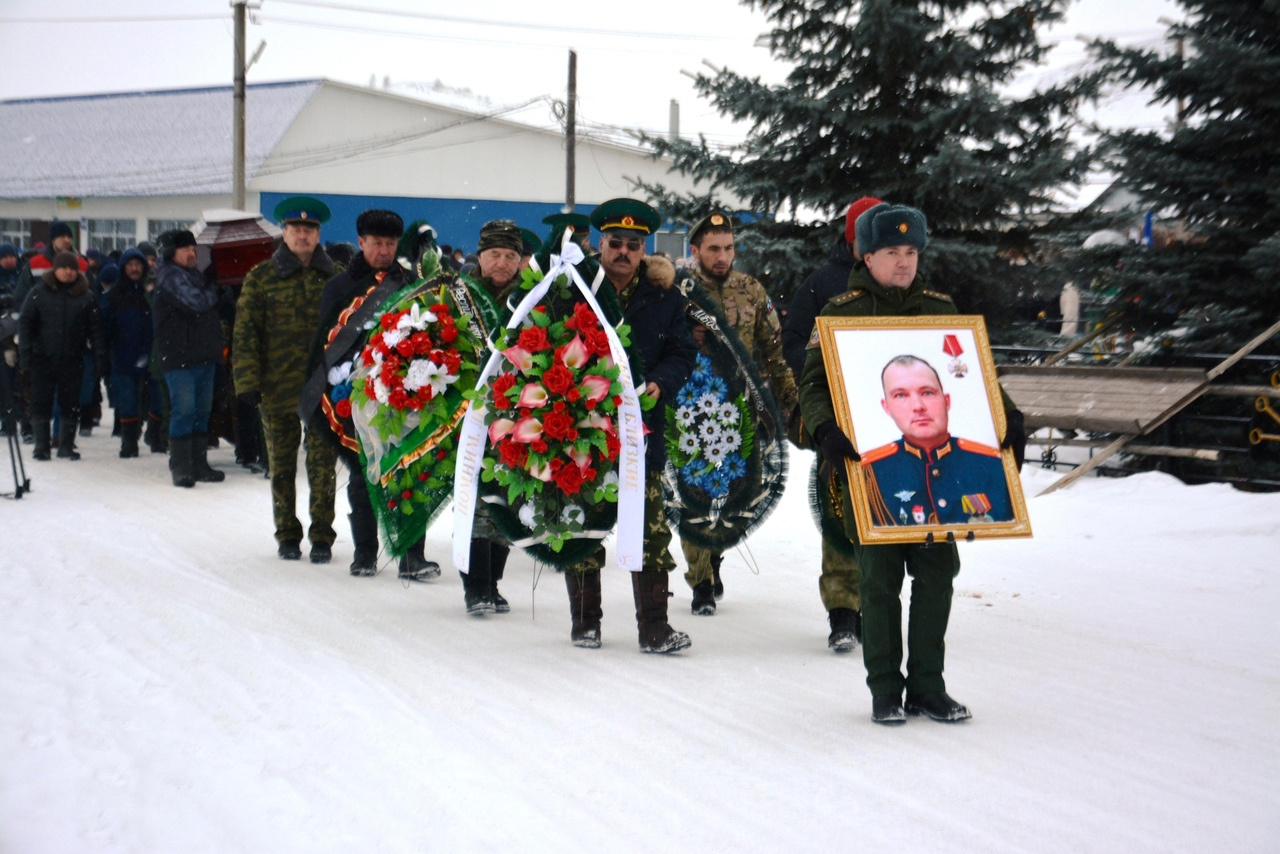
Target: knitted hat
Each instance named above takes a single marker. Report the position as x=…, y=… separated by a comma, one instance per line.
x=58, y=229
x=66, y=259
x=891, y=225
x=856, y=210
x=379, y=223
x=8, y=250
x=501, y=234
x=109, y=275
x=148, y=249
x=95, y=254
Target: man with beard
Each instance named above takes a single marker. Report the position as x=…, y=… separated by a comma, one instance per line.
x=664, y=351
x=276, y=320
x=374, y=275
x=747, y=307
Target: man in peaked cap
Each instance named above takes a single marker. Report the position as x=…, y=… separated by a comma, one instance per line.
x=654, y=310
x=529, y=244
x=276, y=320
x=751, y=316
x=890, y=239
x=838, y=581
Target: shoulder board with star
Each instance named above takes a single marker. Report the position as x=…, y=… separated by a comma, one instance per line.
x=875, y=455
x=977, y=448
x=938, y=296
x=846, y=297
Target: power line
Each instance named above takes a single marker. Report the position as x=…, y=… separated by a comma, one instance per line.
x=118, y=19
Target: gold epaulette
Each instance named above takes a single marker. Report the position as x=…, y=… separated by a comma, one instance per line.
x=875, y=455
x=939, y=296
x=846, y=297
x=977, y=447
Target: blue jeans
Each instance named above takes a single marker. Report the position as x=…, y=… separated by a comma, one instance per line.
x=190, y=399
x=125, y=386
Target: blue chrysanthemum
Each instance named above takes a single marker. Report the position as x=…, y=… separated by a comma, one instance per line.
x=691, y=472
x=718, y=387
x=688, y=395
x=734, y=466
x=340, y=392
x=717, y=484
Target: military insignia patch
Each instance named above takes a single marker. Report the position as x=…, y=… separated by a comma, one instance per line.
x=905, y=495
x=716, y=219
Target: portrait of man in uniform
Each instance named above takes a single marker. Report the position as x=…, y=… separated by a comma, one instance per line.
x=929, y=476
x=920, y=401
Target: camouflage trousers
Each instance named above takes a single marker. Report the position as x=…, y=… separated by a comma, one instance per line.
x=839, y=585
x=284, y=434
x=699, y=562
x=657, y=533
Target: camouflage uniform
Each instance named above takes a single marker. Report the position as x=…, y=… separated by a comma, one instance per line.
x=751, y=315
x=276, y=321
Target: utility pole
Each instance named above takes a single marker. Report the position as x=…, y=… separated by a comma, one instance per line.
x=570, y=133
x=237, y=111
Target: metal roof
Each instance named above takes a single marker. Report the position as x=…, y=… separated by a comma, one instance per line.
x=151, y=143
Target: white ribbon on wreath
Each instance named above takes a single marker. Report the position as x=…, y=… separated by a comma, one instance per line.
x=630, y=464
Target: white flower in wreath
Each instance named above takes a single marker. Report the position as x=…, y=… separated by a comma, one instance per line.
x=710, y=431
x=716, y=453
x=527, y=515
x=392, y=337
x=688, y=443
x=338, y=373
x=380, y=392
x=728, y=415
x=416, y=319
x=572, y=514
x=610, y=479
x=424, y=372
x=684, y=415
x=731, y=440
x=708, y=403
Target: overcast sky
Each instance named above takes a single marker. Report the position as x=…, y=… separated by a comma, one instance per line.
x=630, y=56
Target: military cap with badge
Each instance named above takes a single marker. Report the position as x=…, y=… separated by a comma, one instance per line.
x=626, y=215
x=302, y=210
x=714, y=221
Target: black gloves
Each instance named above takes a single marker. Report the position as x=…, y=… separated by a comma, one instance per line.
x=836, y=447
x=1015, y=437
x=251, y=398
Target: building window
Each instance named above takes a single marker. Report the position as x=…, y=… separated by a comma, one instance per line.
x=110, y=235
x=16, y=231
x=670, y=242
x=157, y=227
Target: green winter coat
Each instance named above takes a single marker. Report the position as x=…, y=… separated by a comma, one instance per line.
x=277, y=316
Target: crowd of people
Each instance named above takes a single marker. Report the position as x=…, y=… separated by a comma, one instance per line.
x=170, y=342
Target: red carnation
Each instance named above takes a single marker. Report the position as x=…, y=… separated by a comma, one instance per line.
x=452, y=361
x=389, y=321
x=344, y=408
x=569, y=479
x=369, y=388
x=421, y=342
x=557, y=379
x=405, y=347
x=534, y=339
x=448, y=334
x=398, y=398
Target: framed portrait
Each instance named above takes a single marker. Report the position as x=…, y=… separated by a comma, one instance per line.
x=918, y=397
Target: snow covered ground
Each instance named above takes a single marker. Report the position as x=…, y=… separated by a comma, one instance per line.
x=167, y=684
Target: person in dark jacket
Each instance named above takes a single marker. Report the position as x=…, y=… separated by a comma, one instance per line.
x=663, y=356
x=126, y=322
x=838, y=584
x=58, y=324
x=189, y=343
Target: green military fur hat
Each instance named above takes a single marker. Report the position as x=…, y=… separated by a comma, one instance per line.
x=531, y=242
x=302, y=209
x=718, y=220
x=891, y=225
x=627, y=215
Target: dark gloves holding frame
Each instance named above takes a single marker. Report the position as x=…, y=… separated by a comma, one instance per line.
x=1015, y=436
x=836, y=448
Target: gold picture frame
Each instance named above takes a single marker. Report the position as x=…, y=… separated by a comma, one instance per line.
x=931, y=467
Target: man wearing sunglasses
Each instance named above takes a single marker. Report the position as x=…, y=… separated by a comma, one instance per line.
x=662, y=358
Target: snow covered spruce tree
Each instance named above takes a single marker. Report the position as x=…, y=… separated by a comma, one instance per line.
x=1215, y=173
x=907, y=100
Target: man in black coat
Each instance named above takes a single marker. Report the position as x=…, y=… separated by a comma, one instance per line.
x=839, y=583
x=58, y=324
x=663, y=355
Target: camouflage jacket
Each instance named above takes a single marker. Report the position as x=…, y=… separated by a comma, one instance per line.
x=750, y=313
x=277, y=316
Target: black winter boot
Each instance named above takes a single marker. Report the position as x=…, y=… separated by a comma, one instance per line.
x=938, y=706
x=129, y=438
x=180, y=461
x=414, y=566
x=67, y=440
x=704, y=598
x=498, y=563
x=584, y=608
x=716, y=561
x=846, y=629
x=40, y=430
x=649, y=587
x=155, y=438
x=200, y=468
x=477, y=582
x=364, y=530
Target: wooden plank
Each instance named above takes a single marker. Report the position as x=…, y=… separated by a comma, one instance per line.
x=1141, y=450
